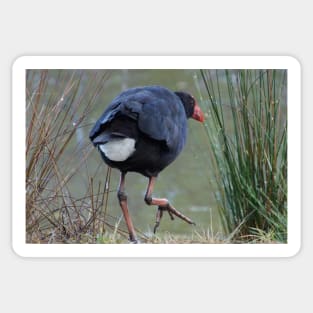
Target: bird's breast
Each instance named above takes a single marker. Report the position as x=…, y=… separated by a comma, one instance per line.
x=118, y=150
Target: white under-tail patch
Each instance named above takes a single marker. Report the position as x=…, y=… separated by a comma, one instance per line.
x=118, y=149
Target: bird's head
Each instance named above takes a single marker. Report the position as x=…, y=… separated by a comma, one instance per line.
x=191, y=106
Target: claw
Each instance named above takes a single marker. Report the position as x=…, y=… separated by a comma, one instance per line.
x=171, y=211
x=163, y=205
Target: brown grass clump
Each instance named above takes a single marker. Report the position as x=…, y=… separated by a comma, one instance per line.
x=57, y=147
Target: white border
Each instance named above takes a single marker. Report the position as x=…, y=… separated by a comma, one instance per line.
x=156, y=250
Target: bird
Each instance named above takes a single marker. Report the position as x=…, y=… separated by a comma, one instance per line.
x=143, y=130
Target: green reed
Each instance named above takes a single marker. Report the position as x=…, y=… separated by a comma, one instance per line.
x=246, y=127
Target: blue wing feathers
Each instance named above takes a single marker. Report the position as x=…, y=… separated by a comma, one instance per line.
x=157, y=110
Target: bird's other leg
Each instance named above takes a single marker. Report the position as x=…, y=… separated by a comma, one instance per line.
x=163, y=205
x=122, y=198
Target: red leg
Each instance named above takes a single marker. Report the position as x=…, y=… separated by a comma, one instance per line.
x=163, y=205
x=122, y=197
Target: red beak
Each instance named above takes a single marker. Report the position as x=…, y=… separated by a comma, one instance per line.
x=197, y=113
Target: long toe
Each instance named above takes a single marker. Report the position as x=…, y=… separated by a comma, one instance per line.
x=159, y=215
x=172, y=211
x=156, y=226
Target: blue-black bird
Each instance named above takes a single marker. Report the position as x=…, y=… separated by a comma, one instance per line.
x=143, y=130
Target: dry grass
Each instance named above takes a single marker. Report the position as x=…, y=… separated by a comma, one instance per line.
x=203, y=237
x=57, y=106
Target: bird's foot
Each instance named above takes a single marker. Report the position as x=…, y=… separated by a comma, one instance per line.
x=134, y=241
x=171, y=211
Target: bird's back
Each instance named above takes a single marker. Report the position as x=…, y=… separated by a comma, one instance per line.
x=148, y=123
